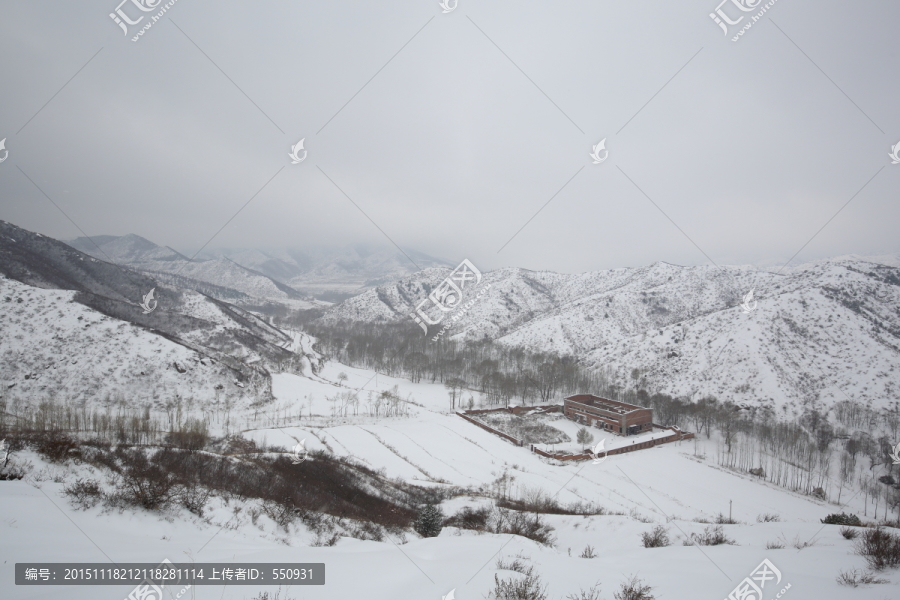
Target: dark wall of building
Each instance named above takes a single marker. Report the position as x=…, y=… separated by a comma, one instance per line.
x=642, y=419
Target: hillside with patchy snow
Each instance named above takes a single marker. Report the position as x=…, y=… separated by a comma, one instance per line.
x=74, y=328
x=825, y=331
x=54, y=348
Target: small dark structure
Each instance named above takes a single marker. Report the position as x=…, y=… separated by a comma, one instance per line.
x=610, y=415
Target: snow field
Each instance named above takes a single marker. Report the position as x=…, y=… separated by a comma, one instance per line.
x=665, y=485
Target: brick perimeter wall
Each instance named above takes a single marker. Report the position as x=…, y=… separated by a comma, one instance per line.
x=489, y=428
x=516, y=410
x=678, y=436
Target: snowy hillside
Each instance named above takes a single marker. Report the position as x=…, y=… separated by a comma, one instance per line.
x=74, y=328
x=827, y=330
x=53, y=348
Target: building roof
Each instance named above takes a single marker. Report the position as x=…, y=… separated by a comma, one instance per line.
x=613, y=406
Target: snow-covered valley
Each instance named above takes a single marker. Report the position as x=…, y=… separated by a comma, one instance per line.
x=678, y=486
x=90, y=382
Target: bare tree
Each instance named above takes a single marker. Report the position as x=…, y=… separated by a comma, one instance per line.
x=454, y=386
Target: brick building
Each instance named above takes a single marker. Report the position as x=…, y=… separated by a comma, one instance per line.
x=610, y=415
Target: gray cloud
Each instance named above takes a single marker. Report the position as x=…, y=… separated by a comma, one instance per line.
x=450, y=148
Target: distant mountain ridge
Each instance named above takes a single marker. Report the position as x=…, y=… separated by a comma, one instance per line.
x=125, y=249
x=826, y=331
x=334, y=273
x=239, y=284
x=293, y=273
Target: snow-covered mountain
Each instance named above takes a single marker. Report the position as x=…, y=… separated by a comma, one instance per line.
x=73, y=327
x=126, y=249
x=829, y=330
x=332, y=273
x=138, y=253
x=289, y=276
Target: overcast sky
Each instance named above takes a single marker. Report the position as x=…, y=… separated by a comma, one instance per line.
x=452, y=131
